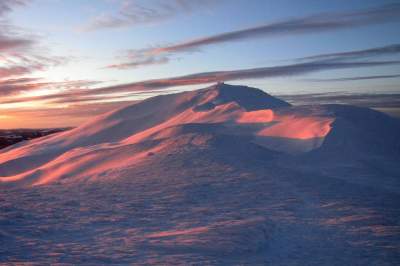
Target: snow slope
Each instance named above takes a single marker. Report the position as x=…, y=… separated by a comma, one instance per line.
x=226, y=175
x=222, y=109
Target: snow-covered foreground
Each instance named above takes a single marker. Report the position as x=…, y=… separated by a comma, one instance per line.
x=210, y=213
x=222, y=176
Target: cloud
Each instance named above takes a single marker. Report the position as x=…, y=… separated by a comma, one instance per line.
x=7, y=6
x=312, y=24
x=141, y=62
x=392, y=49
x=356, y=78
x=8, y=43
x=20, y=54
x=104, y=21
x=306, y=25
x=134, y=12
x=202, y=78
x=21, y=64
x=14, y=71
x=13, y=87
x=10, y=40
x=264, y=72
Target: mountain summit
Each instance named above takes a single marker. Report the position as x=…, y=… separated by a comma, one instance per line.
x=250, y=99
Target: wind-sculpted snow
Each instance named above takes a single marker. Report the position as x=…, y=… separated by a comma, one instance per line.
x=227, y=175
x=109, y=142
x=205, y=208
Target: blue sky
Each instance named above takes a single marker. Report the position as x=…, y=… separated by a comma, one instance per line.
x=107, y=42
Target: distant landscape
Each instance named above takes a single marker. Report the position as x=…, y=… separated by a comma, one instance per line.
x=9, y=137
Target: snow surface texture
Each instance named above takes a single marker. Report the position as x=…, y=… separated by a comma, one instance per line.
x=226, y=175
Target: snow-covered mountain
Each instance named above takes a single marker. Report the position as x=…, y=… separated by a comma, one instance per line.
x=222, y=175
x=112, y=142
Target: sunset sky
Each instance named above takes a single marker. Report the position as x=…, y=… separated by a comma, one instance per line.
x=62, y=62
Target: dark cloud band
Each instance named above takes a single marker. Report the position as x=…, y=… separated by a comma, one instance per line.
x=205, y=78
x=356, y=78
x=306, y=25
